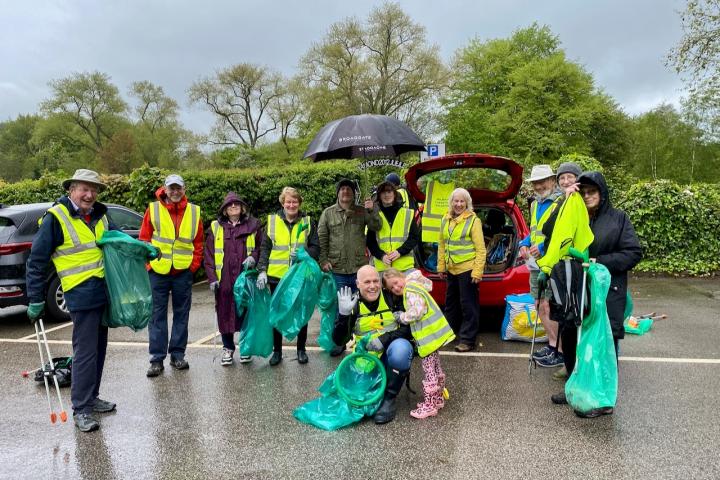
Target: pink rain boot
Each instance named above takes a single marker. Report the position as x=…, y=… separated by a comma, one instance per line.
x=438, y=399
x=427, y=408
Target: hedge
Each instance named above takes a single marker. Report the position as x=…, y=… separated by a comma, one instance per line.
x=678, y=226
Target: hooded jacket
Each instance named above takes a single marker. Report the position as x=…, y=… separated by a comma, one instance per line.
x=616, y=246
x=176, y=211
x=390, y=213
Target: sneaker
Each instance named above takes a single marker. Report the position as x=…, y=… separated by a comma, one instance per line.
x=155, y=369
x=560, y=374
x=244, y=359
x=227, y=357
x=555, y=359
x=595, y=412
x=543, y=352
x=559, y=398
x=85, y=422
x=179, y=364
x=103, y=406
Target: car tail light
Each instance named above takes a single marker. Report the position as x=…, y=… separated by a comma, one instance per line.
x=11, y=292
x=10, y=248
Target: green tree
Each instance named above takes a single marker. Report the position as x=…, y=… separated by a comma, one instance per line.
x=382, y=65
x=521, y=97
x=17, y=148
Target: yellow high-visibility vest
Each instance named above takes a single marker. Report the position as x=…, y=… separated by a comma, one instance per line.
x=405, y=197
x=78, y=258
x=282, y=237
x=177, y=251
x=536, y=225
x=375, y=323
x=459, y=246
x=436, y=204
x=432, y=331
x=391, y=237
x=218, y=234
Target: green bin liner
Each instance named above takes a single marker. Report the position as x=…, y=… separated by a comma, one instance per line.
x=256, y=336
x=328, y=306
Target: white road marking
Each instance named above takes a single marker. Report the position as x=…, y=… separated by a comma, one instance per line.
x=47, y=330
x=199, y=343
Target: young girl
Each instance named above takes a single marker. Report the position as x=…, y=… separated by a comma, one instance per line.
x=430, y=330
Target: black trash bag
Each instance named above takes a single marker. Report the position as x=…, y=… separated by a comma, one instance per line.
x=63, y=371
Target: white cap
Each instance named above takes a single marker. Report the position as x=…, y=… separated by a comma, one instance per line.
x=174, y=179
x=540, y=172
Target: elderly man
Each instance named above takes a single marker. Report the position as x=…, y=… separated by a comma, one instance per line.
x=371, y=311
x=173, y=225
x=341, y=231
x=67, y=235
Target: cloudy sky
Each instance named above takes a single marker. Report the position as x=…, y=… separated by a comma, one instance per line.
x=174, y=42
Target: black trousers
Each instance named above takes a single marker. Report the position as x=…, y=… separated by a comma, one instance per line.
x=568, y=337
x=89, y=340
x=461, y=307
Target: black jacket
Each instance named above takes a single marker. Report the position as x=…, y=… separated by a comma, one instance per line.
x=616, y=246
x=344, y=324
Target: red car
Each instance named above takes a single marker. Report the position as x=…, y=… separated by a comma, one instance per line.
x=493, y=183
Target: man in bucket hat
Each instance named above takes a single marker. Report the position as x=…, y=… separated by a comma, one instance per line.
x=173, y=225
x=67, y=236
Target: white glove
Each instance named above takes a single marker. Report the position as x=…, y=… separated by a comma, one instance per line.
x=400, y=318
x=261, y=281
x=346, y=300
x=214, y=286
x=375, y=345
x=248, y=263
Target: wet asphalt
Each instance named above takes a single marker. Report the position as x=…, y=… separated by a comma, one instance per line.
x=212, y=422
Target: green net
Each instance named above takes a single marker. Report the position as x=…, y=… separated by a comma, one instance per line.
x=256, y=337
x=327, y=304
x=593, y=383
x=127, y=280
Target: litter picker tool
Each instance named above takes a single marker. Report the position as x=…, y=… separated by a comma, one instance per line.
x=531, y=360
x=48, y=369
x=585, y=265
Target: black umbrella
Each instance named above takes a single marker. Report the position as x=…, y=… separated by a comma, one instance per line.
x=360, y=136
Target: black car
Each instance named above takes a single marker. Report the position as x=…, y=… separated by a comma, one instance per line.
x=18, y=226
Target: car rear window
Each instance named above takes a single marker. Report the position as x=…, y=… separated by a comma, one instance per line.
x=7, y=228
x=469, y=178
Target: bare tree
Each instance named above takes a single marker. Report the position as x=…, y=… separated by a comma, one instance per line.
x=154, y=108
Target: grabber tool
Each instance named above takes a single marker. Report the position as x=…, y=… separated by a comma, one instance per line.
x=48, y=369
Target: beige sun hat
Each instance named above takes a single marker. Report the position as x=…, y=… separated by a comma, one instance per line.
x=87, y=176
x=540, y=172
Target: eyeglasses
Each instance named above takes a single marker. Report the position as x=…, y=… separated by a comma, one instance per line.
x=235, y=204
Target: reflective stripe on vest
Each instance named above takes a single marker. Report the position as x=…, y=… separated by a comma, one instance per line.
x=405, y=197
x=436, y=204
x=432, y=331
x=219, y=235
x=367, y=321
x=78, y=258
x=282, y=237
x=536, y=226
x=459, y=246
x=391, y=237
x=177, y=251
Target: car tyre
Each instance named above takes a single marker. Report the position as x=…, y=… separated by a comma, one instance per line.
x=55, y=301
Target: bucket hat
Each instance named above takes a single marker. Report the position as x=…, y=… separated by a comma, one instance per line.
x=86, y=176
x=540, y=172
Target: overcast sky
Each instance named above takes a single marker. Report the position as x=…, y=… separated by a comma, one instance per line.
x=174, y=42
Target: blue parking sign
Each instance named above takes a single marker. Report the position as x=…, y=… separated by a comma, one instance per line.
x=432, y=150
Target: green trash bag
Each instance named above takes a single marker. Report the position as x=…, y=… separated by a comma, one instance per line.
x=296, y=295
x=353, y=391
x=127, y=280
x=256, y=336
x=593, y=383
x=637, y=326
x=327, y=304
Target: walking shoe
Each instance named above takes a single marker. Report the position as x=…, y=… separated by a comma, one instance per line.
x=276, y=358
x=560, y=374
x=244, y=359
x=595, y=412
x=179, y=363
x=227, y=357
x=543, y=352
x=302, y=357
x=559, y=398
x=103, y=406
x=155, y=369
x=85, y=422
x=555, y=359
x=464, y=347
x=427, y=409
x=337, y=350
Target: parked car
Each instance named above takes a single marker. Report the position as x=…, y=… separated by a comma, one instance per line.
x=493, y=183
x=18, y=226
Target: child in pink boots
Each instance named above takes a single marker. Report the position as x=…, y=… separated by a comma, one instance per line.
x=430, y=330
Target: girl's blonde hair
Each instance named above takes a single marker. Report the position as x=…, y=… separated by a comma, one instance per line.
x=290, y=192
x=465, y=195
x=392, y=273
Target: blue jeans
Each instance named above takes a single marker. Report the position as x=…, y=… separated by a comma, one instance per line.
x=89, y=340
x=181, y=287
x=398, y=355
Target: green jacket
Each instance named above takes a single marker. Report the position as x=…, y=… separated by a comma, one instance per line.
x=342, y=236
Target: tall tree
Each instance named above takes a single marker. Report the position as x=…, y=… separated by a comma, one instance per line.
x=241, y=97
x=286, y=109
x=17, y=148
x=157, y=132
x=383, y=65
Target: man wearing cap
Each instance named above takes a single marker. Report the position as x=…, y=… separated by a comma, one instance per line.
x=532, y=248
x=394, y=178
x=67, y=235
x=173, y=225
x=341, y=231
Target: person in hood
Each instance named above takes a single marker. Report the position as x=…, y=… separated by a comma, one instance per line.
x=392, y=246
x=232, y=245
x=173, y=225
x=286, y=229
x=430, y=330
x=616, y=246
x=461, y=254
